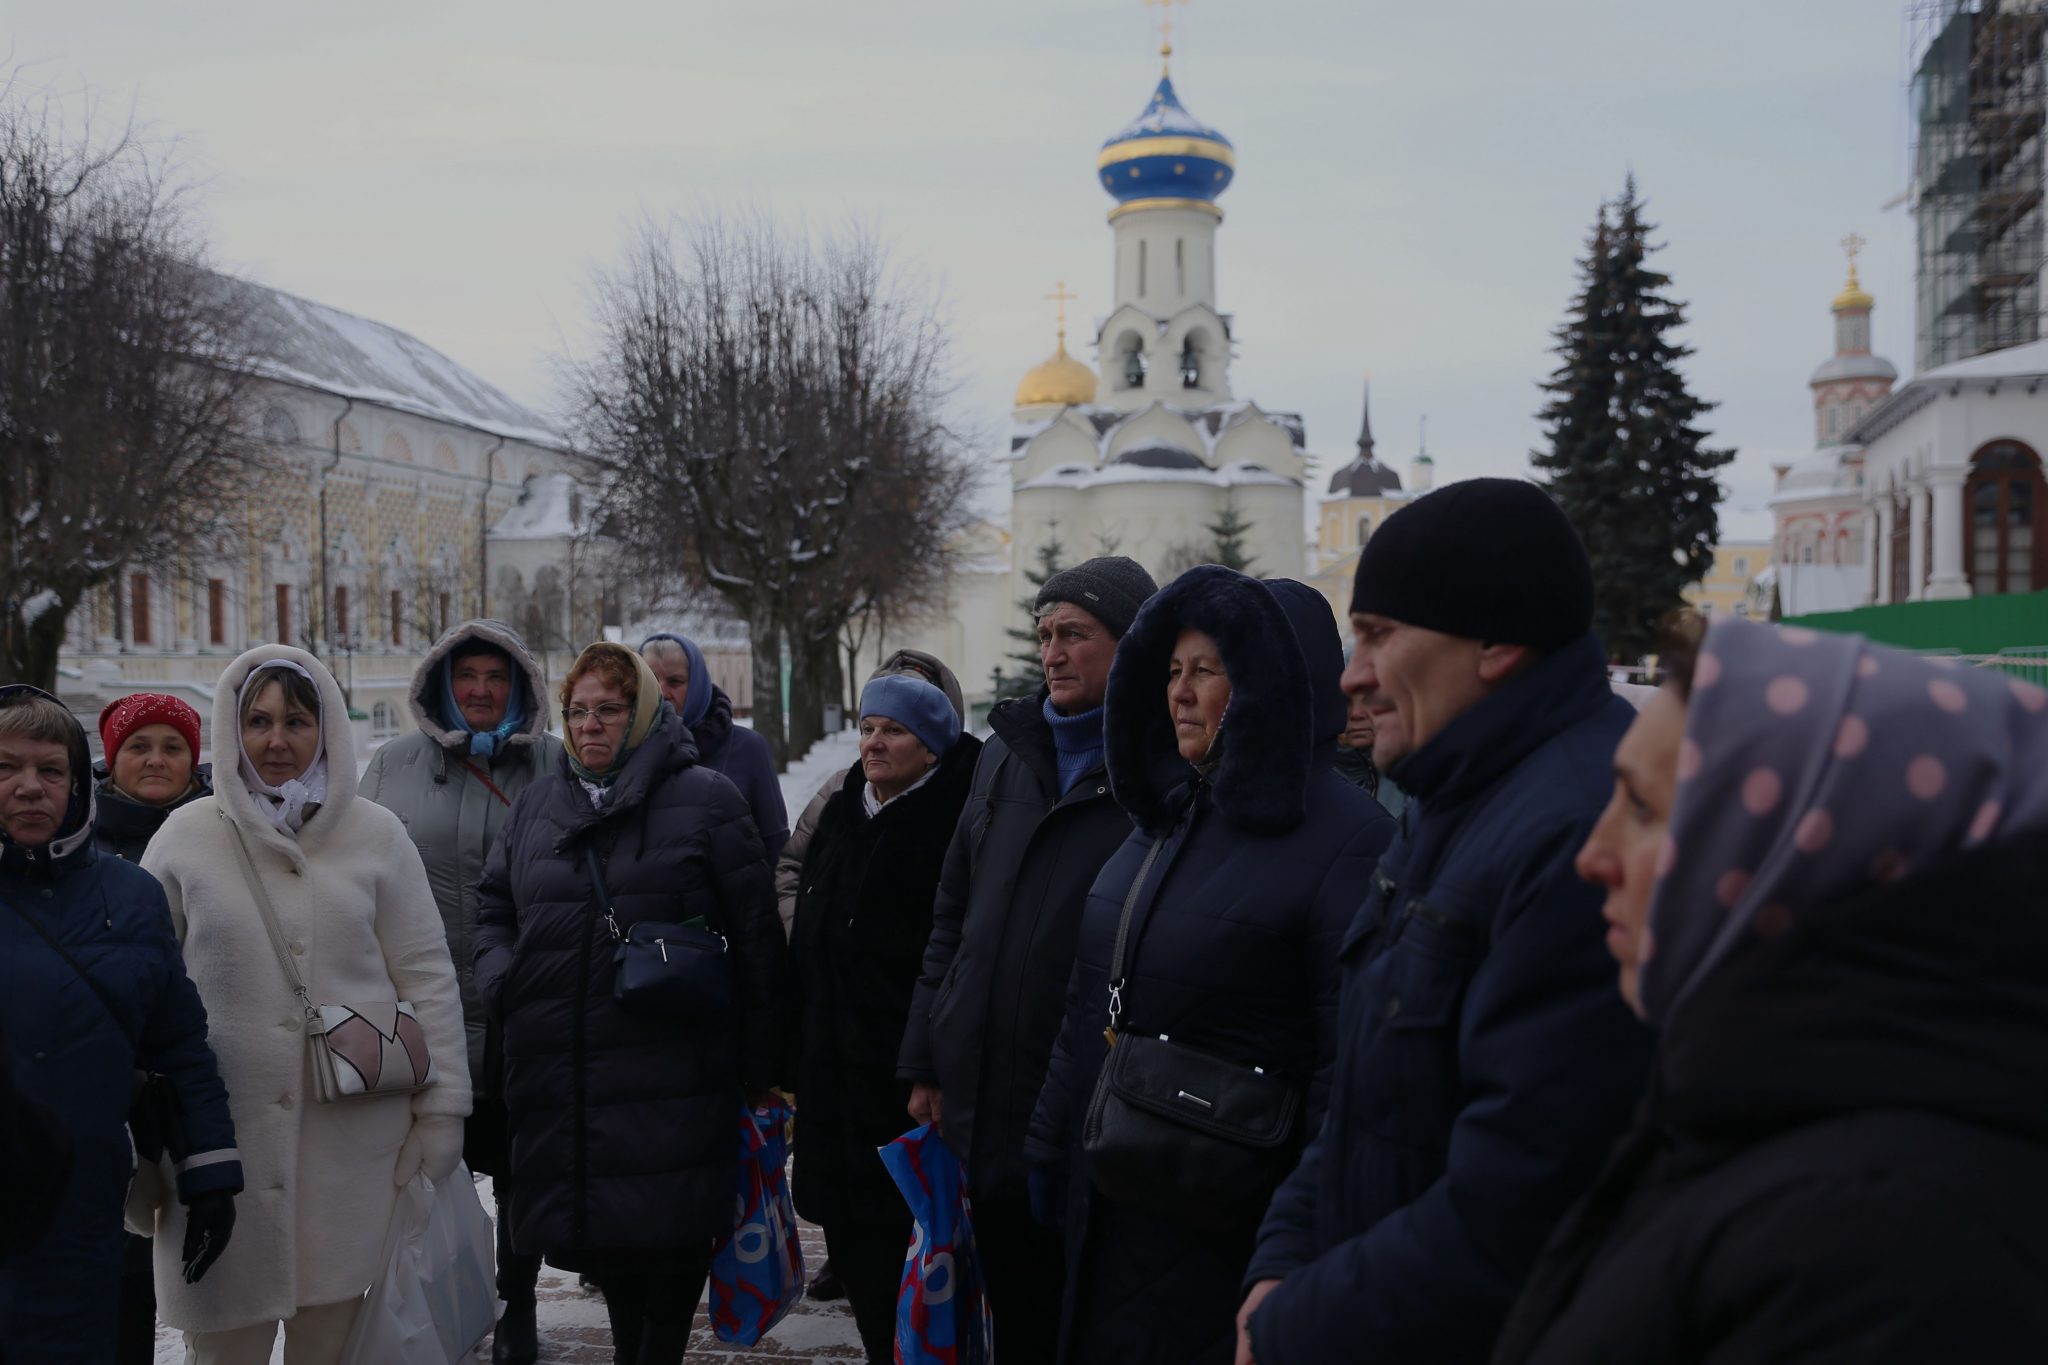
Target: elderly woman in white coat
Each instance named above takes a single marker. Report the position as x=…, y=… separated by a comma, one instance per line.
x=356, y=912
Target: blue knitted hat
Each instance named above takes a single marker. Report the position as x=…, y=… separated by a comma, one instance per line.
x=917, y=706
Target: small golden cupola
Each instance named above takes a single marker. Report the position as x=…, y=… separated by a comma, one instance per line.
x=1060, y=380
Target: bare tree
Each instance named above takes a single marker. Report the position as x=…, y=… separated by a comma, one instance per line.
x=123, y=372
x=765, y=410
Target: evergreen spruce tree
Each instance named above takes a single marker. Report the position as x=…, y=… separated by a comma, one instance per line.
x=1229, y=529
x=1628, y=461
x=1029, y=675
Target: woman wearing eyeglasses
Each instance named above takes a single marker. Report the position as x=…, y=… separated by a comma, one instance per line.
x=625, y=1115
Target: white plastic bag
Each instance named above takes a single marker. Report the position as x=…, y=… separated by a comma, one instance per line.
x=436, y=1297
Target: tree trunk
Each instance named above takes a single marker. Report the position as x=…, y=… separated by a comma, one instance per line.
x=765, y=640
x=32, y=647
x=813, y=682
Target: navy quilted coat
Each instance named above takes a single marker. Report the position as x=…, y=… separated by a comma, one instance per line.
x=623, y=1127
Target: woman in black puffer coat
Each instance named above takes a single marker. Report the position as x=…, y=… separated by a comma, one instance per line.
x=1223, y=714
x=863, y=914
x=625, y=1126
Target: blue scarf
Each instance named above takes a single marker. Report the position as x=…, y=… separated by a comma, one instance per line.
x=483, y=743
x=1076, y=742
x=697, y=698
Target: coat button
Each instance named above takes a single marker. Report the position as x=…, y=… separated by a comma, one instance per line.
x=1102, y=791
x=291, y=1026
x=284, y=1101
x=1392, y=1007
x=298, y=948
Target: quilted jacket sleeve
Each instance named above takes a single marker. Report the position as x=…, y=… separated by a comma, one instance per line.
x=415, y=947
x=497, y=918
x=746, y=897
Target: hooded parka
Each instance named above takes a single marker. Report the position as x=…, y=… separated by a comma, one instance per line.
x=1233, y=939
x=1485, y=1065
x=444, y=794
x=352, y=899
x=75, y=1058
x=624, y=1126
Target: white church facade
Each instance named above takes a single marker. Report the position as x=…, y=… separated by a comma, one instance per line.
x=1148, y=450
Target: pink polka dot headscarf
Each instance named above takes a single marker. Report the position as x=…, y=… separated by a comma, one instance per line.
x=1817, y=765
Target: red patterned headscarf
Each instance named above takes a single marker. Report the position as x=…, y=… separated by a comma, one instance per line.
x=124, y=717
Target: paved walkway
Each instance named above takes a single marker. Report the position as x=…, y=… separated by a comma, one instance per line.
x=573, y=1330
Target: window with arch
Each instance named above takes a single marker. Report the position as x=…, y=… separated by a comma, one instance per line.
x=383, y=720
x=1364, y=528
x=2003, y=503
x=1902, y=549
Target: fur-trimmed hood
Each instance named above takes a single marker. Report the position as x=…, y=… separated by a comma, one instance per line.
x=1280, y=649
x=425, y=695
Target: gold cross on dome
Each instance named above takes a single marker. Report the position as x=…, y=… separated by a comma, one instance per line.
x=1165, y=26
x=1853, y=246
x=1062, y=296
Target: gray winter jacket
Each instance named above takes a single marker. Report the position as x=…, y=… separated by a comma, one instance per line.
x=430, y=781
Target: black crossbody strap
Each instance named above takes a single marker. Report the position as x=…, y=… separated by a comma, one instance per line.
x=87, y=977
x=604, y=895
x=1123, y=929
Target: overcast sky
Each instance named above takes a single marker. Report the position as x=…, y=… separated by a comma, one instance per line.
x=1414, y=185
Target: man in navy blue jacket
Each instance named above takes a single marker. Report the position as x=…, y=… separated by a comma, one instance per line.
x=1485, y=1063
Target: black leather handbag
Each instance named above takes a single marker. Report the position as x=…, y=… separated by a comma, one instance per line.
x=673, y=970
x=1177, y=1132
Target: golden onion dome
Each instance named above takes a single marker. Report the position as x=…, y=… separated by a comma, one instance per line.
x=1853, y=294
x=1060, y=379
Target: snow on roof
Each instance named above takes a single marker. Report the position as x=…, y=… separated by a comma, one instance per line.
x=315, y=346
x=702, y=619
x=2011, y=363
x=1239, y=475
x=551, y=507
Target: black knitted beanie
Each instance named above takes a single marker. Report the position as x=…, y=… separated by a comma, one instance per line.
x=1486, y=559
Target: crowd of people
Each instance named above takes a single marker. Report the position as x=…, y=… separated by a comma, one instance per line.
x=1425, y=1003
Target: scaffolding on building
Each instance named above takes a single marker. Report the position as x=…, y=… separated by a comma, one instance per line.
x=1980, y=102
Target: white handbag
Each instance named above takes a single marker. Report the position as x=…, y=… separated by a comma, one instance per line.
x=357, y=1051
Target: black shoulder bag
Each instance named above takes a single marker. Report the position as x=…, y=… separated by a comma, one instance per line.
x=1179, y=1133
x=674, y=971
x=156, y=1120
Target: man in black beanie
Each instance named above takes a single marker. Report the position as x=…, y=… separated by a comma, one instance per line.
x=1485, y=1061
x=1038, y=825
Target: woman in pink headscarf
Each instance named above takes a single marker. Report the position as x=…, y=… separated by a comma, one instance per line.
x=1827, y=874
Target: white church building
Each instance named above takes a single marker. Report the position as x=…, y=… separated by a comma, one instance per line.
x=1148, y=449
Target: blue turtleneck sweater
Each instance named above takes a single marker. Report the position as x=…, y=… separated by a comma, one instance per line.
x=1077, y=741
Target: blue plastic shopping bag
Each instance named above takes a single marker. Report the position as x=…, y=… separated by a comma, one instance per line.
x=942, y=1312
x=757, y=1274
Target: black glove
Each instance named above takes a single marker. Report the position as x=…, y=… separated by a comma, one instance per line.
x=209, y=1222
x=1048, y=1191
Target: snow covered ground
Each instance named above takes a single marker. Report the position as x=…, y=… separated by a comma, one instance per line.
x=828, y=758
x=573, y=1330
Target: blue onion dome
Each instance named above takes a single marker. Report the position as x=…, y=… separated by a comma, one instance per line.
x=1166, y=153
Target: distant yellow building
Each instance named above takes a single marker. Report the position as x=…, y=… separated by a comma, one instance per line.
x=1728, y=588
x=1362, y=495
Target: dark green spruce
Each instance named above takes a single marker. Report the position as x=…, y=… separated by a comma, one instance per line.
x=1628, y=461
x=1029, y=674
